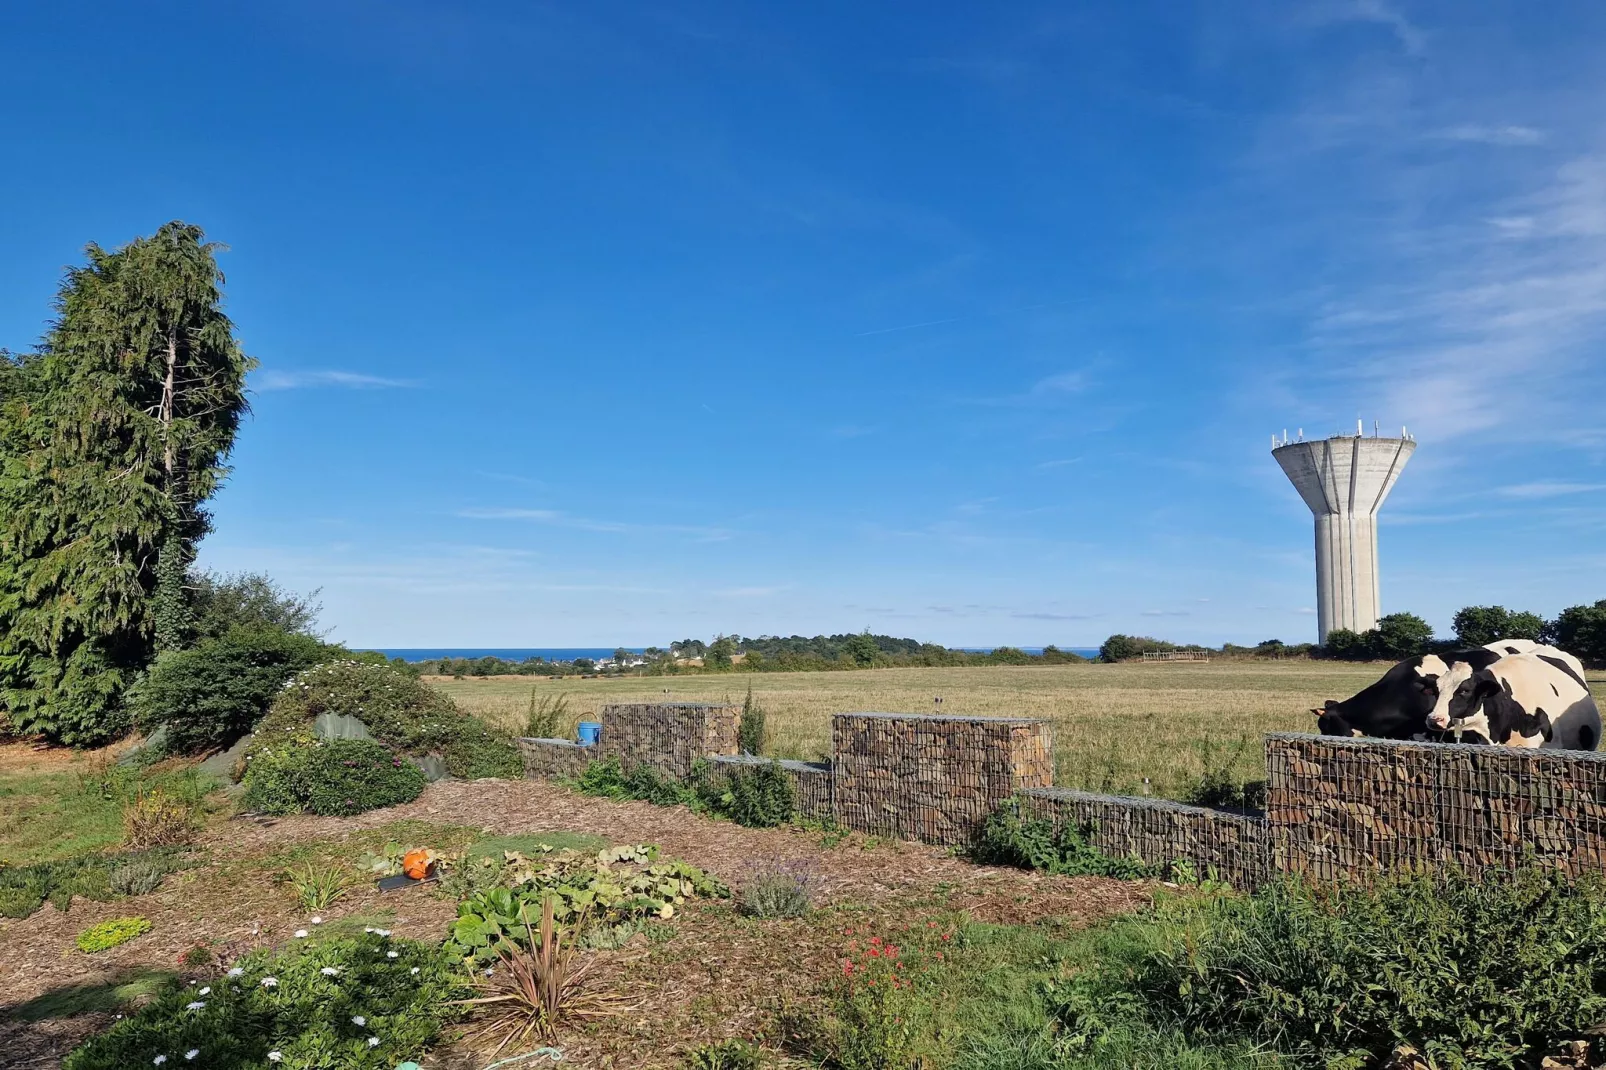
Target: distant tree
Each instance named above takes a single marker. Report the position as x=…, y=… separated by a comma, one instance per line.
x=584, y=664
x=1581, y=631
x=620, y=656
x=1270, y=648
x=1399, y=635
x=1009, y=655
x=719, y=653
x=688, y=648
x=862, y=649
x=106, y=462
x=1345, y=644
x=220, y=602
x=1525, y=626
x=1122, y=647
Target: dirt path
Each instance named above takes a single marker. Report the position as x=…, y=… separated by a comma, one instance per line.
x=711, y=963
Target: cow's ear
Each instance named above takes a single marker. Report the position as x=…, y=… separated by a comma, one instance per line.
x=1317, y=711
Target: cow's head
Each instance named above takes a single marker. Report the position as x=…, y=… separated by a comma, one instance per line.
x=1463, y=697
x=1330, y=720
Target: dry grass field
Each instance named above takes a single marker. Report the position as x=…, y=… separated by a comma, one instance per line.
x=1114, y=725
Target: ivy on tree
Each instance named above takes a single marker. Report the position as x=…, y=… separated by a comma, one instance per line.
x=110, y=445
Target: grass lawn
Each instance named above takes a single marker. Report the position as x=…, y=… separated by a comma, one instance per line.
x=1114, y=725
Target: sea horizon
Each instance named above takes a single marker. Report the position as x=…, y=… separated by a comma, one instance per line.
x=595, y=653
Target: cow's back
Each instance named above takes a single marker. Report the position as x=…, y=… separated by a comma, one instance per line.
x=1543, y=682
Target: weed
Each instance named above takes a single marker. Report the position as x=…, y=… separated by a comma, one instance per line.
x=156, y=818
x=750, y=729
x=317, y=887
x=1008, y=838
x=1219, y=785
x=196, y=955
x=109, y=934
x=886, y=1002
x=725, y=1055
x=779, y=890
x=548, y=717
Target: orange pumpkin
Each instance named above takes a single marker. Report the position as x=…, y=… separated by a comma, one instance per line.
x=417, y=863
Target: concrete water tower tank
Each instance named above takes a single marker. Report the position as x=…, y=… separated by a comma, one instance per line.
x=1344, y=480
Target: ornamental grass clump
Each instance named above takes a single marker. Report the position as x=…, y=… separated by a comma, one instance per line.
x=537, y=984
x=779, y=889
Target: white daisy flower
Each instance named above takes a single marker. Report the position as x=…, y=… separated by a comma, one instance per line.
x=207, y=991
x=317, y=921
x=382, y=932
x=159, y=1060
x=195, y=1006
x=275, y=1056
x=328, y=971
x=392, y=954
x=415, y=971
x=236, y=972
x=359, y=1020
x=373, y=1042
x=192, y=1053
x=367, y=928
x=301, y=934
x=270, y=982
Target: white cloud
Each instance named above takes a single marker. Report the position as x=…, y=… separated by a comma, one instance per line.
x=282, y=380
x=554, y=518
x=1548, y=489
x=1492, y=135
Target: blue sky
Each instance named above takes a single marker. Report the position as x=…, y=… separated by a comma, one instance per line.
x=622, y=323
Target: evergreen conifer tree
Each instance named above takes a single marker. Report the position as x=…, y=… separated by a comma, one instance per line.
x=106, y=461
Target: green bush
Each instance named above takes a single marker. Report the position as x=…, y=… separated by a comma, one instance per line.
x=334, y=777
x=320, y=1004
x=760, y=797
x=213, y=694
x=1474, y=973
x=605, y=777
x=1008, y=838
x=399, y=710
x=110, y=933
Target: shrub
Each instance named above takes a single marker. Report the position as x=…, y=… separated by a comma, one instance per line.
x=333, y=777
x=1474, y=973
x=725, y=1055
x=305, y=1004
x=1010, y=839
x=778, y=890
x=222, y=602
x=215, y=693
x=110, y=933
x=605, y=777
x=399, y=711
x=158, y=819
x=1220, y=786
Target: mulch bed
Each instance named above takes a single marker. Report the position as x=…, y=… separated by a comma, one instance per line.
x=719, y=975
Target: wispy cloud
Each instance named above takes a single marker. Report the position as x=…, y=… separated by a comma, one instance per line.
x=1047, y=392
x=286, y=380
x=555, y=518
x=1055, y=616
x=1061, y=463
x=1167, y=613
x=1492, y=135
x=749, y=592
x=1548, y=489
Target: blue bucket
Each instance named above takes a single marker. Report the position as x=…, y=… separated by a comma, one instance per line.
x=589, y=732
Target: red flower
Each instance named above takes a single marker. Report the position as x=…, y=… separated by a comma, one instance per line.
x=875, y=939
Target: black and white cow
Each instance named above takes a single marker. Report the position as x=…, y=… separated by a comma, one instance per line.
x=1533, y=699
x=1398, y=705
x=1463, y=663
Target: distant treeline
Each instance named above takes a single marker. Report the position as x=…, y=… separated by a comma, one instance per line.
x=1579, y=630
x=765, y=653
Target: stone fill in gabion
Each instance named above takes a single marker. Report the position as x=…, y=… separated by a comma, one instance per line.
x=554, y=757
x=669, y=736
x=935, y=779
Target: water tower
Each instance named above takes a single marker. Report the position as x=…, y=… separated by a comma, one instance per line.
x=1344, y=480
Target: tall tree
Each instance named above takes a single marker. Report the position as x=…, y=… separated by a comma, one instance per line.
x=106, y=463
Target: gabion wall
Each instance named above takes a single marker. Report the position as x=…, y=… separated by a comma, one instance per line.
x=933, y=778
x=811, y=782
x=1227, y=847
x=554, y=757
x=1354, y=807
x=669, y=736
